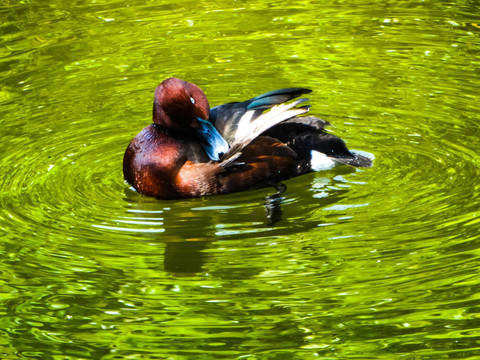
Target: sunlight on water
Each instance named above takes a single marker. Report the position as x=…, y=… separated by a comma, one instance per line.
x=364, y=263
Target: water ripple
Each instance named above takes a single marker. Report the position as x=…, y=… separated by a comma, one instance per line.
x=372, y=263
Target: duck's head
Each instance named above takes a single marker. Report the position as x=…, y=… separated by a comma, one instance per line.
x=183, y=107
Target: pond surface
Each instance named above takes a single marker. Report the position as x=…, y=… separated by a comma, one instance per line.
x=377, y=263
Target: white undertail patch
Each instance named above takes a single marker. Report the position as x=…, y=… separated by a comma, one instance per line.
x=320, y=161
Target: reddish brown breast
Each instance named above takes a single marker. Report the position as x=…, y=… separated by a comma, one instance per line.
x=165, y=165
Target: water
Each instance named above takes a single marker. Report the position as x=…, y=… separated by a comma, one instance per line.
x=371, y=264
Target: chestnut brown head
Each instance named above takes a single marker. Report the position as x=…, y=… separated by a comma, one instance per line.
x=179, y=104
x=183, y=107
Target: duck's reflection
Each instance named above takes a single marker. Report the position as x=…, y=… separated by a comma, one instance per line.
x=273, y=208
x=189, y=227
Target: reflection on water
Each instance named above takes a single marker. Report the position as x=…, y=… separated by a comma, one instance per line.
x=373, y=263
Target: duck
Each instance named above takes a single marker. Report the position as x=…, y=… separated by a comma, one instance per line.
x=190, y=150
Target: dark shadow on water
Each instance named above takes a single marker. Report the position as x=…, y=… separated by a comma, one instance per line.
x=184, y=258
x=190, y=226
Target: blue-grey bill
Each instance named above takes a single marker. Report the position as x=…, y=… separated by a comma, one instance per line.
x=213, y=143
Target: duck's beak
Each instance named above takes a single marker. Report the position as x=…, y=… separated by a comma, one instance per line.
x=213, y=143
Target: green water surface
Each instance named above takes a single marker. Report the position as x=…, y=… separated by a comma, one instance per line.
x=379, y=263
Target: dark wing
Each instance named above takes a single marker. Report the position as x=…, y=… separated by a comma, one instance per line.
x=227, y=117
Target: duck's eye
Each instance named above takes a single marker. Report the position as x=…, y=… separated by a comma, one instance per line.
x=192, y=100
